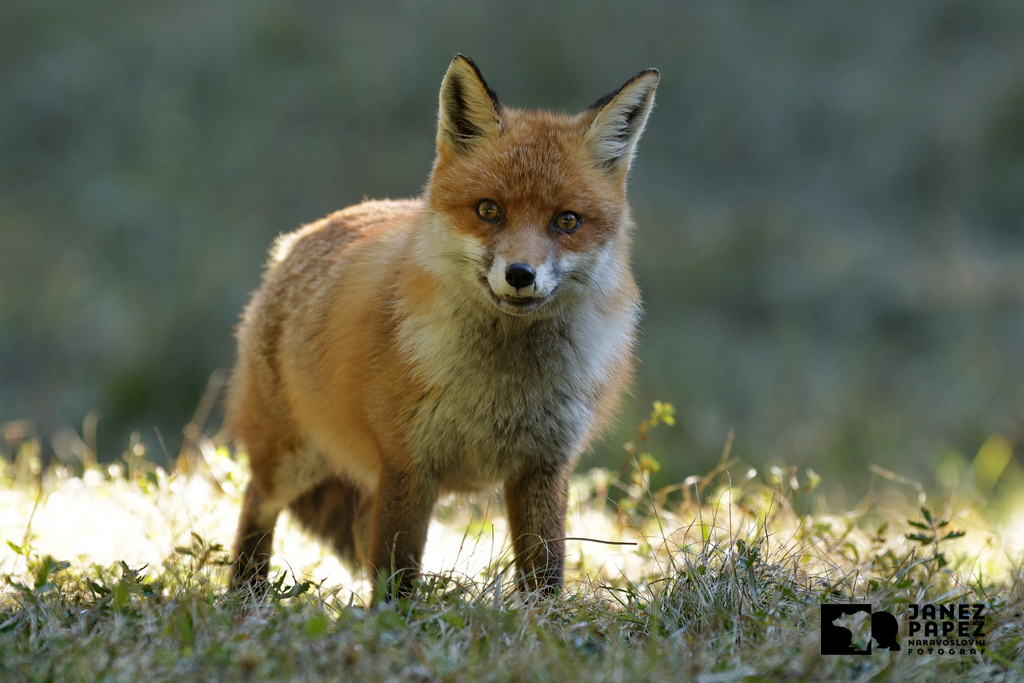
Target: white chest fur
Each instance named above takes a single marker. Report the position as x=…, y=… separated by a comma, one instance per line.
x=504, y=392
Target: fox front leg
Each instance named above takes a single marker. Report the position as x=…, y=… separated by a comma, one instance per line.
x=404, y=503
x=536, y=504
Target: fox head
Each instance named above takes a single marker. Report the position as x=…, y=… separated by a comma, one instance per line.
x=528, y=208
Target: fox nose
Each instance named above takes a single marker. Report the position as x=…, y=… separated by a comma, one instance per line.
x=520, y=275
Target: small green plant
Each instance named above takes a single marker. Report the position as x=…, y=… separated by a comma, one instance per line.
x=43, y=573
x=638, y=465
x=933, y=535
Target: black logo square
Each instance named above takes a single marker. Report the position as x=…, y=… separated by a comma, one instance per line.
x=838, y=640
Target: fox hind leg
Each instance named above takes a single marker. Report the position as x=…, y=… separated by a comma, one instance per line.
x=268, y=493
x=254, y=540
x=337, y=512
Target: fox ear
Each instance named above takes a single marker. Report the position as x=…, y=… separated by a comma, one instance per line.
x=469, y=111
x=619, y=118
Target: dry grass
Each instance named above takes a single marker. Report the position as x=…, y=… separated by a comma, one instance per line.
x=117, y=574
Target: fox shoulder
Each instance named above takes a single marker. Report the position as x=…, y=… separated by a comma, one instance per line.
x=335, y=231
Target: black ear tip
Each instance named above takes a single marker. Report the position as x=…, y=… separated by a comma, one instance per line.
x=600, y=103
x=479, y=76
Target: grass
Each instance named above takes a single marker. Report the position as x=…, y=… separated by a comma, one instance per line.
x=117, y=573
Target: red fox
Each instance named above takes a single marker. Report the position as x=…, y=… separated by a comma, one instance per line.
x=474, y=337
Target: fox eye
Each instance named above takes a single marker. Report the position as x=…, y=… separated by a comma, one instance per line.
x=568, y=221
x=488, y=210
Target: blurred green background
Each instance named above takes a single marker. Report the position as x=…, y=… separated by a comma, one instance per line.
x=830, y=200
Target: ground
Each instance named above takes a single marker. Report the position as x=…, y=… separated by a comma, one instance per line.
x=117, y=573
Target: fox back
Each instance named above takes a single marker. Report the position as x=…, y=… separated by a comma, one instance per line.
x=476, y=337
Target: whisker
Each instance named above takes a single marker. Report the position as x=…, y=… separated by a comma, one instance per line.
x=462, y=256
x=587, y=281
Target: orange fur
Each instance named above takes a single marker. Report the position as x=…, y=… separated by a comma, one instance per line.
x=387, y=358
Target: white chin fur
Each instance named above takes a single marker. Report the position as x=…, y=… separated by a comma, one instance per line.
x=520, y=306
